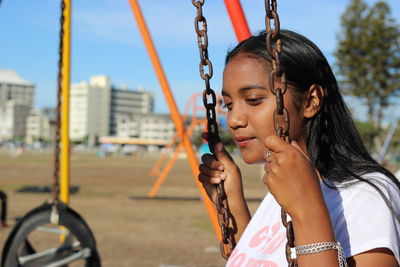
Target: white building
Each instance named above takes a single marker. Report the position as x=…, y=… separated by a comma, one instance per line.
x=95, y=107
x=13, y=87
x=89, y=108
x=40, y=125
x=13, y=120
x=126, y=102
x=154, y=127
x=16, y=100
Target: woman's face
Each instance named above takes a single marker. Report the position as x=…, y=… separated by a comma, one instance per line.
x=251, y=106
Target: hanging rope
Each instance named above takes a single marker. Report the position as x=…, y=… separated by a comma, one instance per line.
x=210, y=102
x=57, y=123
x=281, y=115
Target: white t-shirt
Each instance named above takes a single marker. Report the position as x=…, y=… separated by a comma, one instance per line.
x=361, y=219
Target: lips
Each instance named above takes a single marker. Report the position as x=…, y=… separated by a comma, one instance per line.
x=243, y=141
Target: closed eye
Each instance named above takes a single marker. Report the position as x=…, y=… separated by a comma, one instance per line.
x=254, y=101
x=228, y=106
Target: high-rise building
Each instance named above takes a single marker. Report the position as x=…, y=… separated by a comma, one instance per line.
x=16, y=100
x=40, y=125
x=13, y=87
x=96, y=105
x=13, y=120
x=90, y=108
x=127, y=102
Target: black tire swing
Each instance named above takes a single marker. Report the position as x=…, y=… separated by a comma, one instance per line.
x=3, y=210
x=52, y=234
x=79, y=242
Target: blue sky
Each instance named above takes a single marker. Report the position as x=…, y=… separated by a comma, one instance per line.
x=106, y=40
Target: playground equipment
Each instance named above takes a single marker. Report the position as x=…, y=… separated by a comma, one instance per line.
x=280, y=117
x=217, y=221
x=161, y=169
x=386, y=144
x=54, y=222
x=3, y=211
x=281, y=114
x=177, y=119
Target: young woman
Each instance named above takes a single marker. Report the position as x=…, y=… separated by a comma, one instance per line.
x=324, y=178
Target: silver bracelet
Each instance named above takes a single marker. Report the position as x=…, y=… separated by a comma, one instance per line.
x=320, y=247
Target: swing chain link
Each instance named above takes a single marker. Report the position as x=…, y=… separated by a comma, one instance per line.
x=210, y=102
x=57, y=123
x=281, y=114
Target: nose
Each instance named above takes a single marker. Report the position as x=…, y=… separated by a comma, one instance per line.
x=236, y=119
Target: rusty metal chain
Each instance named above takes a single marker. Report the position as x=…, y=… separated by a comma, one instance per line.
x=210, y=102
x=281, y=114
x=57, y=122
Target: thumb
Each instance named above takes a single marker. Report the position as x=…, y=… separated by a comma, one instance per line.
x=222, y=155
x=296, y=145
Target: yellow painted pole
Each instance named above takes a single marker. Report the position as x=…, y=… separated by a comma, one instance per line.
x=176, y=117
x=66, y=59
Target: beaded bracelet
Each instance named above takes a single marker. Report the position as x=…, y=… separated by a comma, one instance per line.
x=320, y=247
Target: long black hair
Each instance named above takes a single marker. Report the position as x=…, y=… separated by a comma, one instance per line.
x=334, y=145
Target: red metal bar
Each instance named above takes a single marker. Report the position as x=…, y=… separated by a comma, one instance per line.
x=238, y=19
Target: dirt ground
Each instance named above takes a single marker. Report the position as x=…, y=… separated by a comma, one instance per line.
x=129, y=231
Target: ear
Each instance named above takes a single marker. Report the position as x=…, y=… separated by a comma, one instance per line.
x=314, y=100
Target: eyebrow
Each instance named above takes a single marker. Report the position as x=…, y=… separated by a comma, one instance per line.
x=243, y=89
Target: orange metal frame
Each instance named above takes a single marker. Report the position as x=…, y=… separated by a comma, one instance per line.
x=177, y=119
x=238, y=19
x=162, y=172
x=156, y=170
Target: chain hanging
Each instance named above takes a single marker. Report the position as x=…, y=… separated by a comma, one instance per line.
x=57, y=122
x=281, y=114
x=210, y=102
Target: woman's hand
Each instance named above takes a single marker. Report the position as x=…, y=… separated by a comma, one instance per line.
x=291, y=178
x=218, y=168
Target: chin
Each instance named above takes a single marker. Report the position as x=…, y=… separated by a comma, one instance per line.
x=252, y=159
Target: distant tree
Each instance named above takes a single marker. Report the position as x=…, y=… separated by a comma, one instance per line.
x=368, y=133
x=368, y=56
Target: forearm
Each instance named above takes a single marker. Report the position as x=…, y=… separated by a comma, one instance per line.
x=314, y=226
x=240, y=213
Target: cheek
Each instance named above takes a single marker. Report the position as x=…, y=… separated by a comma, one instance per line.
x=263, y=123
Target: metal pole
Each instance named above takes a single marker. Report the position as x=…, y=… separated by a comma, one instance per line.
x=387, y=142
x=176, y=117
x=238, y=19
x=65, y=148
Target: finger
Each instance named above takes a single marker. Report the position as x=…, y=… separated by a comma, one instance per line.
x=222, y=155
x=268, y=155
x=267, y=178
x=271, y=167
x=276, y=144
x=205, y=179
x=210, y=160
x=297, y=146
x=203, y=168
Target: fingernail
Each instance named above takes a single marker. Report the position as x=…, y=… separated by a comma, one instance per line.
x=220, y=167
x=219, y=147
x=222, y=175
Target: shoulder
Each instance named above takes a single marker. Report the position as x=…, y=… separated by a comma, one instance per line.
x=374, y=192
x=373, y=186
x=365, y=214
x=375, y=189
